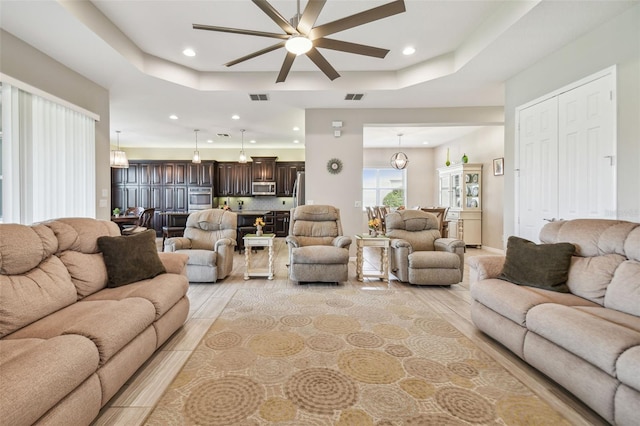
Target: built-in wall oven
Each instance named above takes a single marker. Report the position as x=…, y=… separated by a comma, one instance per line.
x=200, y=198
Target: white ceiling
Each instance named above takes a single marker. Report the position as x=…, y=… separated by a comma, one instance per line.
x=465, y=50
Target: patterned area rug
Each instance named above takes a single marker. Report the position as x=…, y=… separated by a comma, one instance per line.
x=342, y=357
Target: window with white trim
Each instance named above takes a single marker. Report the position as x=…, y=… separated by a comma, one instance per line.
x=384, y=187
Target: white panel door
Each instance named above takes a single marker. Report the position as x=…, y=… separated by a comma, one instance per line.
x=587, y=151
x=538, y=167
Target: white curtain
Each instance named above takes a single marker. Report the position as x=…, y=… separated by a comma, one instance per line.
x=56, y=165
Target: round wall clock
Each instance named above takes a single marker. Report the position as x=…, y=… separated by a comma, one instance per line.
x=334, y=166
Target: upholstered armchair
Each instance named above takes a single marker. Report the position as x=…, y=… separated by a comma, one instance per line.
x=318, y=251
x=418, y=253
x=209, y=240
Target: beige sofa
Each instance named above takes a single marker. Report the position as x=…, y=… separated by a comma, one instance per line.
x=587, y=340
x=67, y=342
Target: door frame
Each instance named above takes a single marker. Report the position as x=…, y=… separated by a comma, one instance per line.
x=613, y=71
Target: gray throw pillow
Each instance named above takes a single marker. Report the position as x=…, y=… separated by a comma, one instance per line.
x=131, y=258
x=538, y=265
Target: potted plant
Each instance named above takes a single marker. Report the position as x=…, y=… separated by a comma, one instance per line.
x=116, y=212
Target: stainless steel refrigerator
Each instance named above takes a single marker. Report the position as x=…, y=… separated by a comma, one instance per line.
x=298, y=190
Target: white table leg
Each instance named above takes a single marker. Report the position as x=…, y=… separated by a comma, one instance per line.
x=270, y=277
x=247, y=260
x=359, y=262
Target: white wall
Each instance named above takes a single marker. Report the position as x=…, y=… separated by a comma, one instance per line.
x=616, y=42
x=344, y=189
x=22, y=62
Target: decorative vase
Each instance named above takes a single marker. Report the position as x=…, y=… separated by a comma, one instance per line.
x=447, y=163
x=259, y=230
x=465, y=159
x=373, y=232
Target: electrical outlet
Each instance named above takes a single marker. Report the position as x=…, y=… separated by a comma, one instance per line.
x=358, y=203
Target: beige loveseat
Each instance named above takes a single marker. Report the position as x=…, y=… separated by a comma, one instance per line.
x=67, y=342
x=587, y=340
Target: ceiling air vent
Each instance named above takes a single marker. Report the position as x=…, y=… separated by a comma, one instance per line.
x=223, y=135
x=354, y=97
x=259, y=96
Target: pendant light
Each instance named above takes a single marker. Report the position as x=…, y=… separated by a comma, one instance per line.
x=118, y=158
x=243, y=157
x=399, y=160
x=196, y=153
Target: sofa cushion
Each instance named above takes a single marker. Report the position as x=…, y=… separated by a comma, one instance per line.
x=22, y=247
x=513, y=301
x=623, y=294
x=164, y=291
x=109, y=324
x=325, y=255
x=37, y=373
x=538, y=265
x=434, y=260
x=131, y=258
x=590, y=276
x=628, y=367
x=590, y=337
x=81, y=233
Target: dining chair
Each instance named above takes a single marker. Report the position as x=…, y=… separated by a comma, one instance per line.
x=144, y=222
x=441, y=215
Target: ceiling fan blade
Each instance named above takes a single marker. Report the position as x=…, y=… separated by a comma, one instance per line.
x=254, y=54
x=358, y=19
x=239, y=31
x=275, y=16
x=286, y=67
x=345, y=46
x=323, y=64
x=310, y=14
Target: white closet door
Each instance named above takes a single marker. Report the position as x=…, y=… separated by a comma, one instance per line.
x=538, y=164
x=587, y=151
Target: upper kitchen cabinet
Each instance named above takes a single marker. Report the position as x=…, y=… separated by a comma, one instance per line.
x=174, y=173
x=233, y=179
x=286, y=173
x=264, y=169
x=201, y=174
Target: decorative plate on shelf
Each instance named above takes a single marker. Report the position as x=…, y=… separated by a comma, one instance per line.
x=475, y=178
x=334, y=166
x=475, y=191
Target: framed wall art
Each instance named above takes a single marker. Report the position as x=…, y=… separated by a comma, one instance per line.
x=498, y=166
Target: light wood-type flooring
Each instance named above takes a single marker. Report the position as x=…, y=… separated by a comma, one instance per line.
x=138, y=397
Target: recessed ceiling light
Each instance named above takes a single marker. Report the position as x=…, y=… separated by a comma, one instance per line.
x=209, y=140
x=252, y=141
x=296, y=128
x=409, y=50
x=189, y=52
x=425, y=143
x=173, y=117
x=296, y=141
x=235, y=117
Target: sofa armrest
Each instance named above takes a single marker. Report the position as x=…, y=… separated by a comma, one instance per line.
x=292, y=241
x=485, y=266
x=342, y=241
x=222, y=242
x=177, y=243
x=451, y=245
x=174, y=263
x=397, y=243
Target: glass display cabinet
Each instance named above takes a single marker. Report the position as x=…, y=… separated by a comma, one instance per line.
x=460, y=189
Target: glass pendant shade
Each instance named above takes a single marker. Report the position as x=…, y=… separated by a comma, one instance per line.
x=196, y=153
x=399, y=160
x=118, y=158
x=298, y=44
x=243, y=157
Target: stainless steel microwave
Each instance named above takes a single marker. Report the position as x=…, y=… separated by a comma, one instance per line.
x=263, y=188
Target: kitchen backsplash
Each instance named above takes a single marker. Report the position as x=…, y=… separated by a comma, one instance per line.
x=255, y=203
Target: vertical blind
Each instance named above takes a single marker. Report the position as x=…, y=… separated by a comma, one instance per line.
x=56, y=166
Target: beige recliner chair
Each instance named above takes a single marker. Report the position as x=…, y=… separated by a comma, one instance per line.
x=418, y=254
x=318, y=252
x=209, y=239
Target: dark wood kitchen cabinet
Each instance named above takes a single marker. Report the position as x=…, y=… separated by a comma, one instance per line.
x=233, y=179
x=286, y=173
x=201, y=174
x=174, y=173
x=264, y=169
x=281, y=223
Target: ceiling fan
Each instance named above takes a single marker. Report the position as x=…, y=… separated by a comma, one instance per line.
x=302, y=37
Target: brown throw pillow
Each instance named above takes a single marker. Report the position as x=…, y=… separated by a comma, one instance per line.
x=131, y=258
x=538, y=265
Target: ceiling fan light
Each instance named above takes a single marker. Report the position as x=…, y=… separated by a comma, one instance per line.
x=298, y=44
